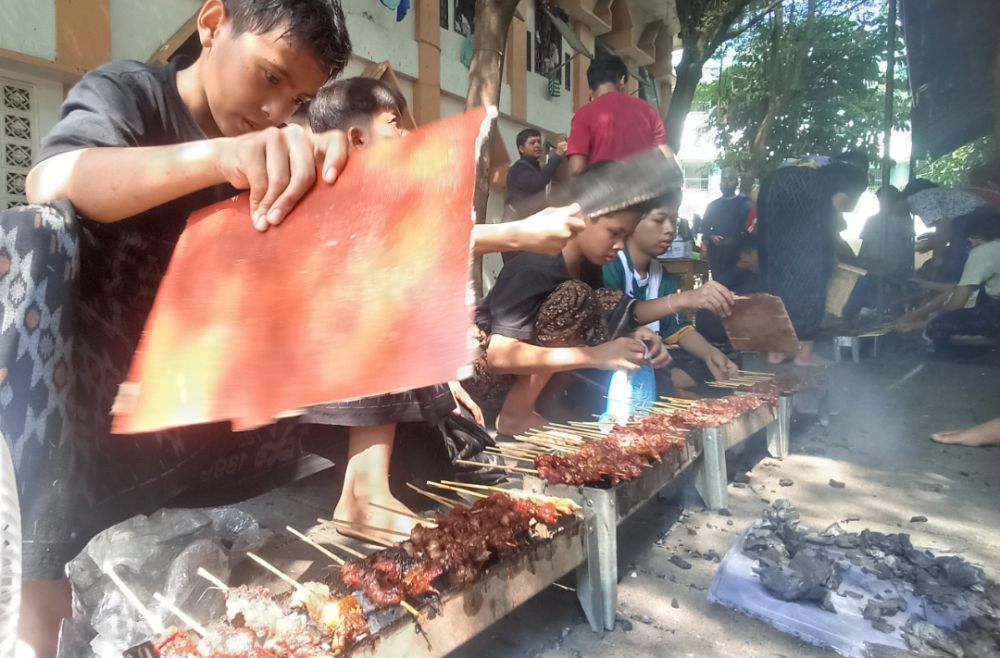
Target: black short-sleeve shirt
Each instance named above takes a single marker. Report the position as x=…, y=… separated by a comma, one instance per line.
x=525, y=282
x=125, y=104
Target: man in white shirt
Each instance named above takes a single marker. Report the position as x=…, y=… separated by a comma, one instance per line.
x=973, y=307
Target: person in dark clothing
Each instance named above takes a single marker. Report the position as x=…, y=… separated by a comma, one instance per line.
x=740, y=273
x=725, y=217
x=971, y=308
x=527, y=178
x=139, y=147
x=546, y=315
x=799, y=207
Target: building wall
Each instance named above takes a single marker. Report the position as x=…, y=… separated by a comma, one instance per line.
x=139, y=27
x=29, y=27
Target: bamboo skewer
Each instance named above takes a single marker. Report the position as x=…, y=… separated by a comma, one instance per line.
x=446, y=487
x=212, y=579
x=466, y=462
x=388, y=531
x=408, y=515
x=441, y=500
x=153, y=620
x=371, y=539
x=347, y=549
x=276, y=571
x=507, y=455
x=180, y=614
x=514, y=452
x=336, y=558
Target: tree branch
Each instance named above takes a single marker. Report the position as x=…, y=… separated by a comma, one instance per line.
x=733, y=34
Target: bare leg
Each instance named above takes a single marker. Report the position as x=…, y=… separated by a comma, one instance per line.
x=44, y=604
x=366, y=480
x=518, y=413
x=987, y=434
x=806, y=356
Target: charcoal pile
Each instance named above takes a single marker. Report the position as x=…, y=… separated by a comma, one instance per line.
x=798, y=564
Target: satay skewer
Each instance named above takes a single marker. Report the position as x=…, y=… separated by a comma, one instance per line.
x=333, y=556
x=299, y=587
x=180, y=614
x=153, y=620
x=466, y=462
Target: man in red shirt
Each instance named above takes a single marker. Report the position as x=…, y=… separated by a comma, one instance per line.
x=613, y=125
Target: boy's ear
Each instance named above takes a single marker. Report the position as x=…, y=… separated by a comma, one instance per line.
x=210, y=19
x=355, y=137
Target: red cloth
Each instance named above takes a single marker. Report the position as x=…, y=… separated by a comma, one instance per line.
x=362, y=290
x=752, y=220
x=613, y=127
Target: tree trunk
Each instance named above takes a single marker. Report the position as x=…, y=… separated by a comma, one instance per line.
x=493, y=18
x=688, y=76
x=785, y=81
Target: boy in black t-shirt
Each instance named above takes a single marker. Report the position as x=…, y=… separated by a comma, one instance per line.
x=546, y=314
x=138, y=148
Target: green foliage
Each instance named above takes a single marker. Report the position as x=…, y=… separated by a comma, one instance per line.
x=838, y=104
x=952, y=169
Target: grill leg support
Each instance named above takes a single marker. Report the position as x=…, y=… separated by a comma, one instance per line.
x=710, y=477
x=778, y=432
x=597, y=577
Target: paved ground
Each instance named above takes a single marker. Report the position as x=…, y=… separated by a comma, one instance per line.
x=876, y=444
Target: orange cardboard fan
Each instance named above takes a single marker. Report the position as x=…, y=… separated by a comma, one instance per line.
x=362, y=290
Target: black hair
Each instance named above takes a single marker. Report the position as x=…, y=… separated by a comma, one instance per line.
x=340, y=103
x=672, y=199
x=317, y=24
x=606, y=68
x=918, y=185
x=527, y=134
x=982, y=224
x=842, y=177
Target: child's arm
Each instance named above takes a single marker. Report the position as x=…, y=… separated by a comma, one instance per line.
x=108, y=184
x=545, y=232
x=509, y=356
x=718, y=364
x=712, y=296
x=111, y=154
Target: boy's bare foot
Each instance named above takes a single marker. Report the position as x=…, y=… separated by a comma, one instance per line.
x=776, y=358
x=812, y=361
x=976, y=437
x=512, y=425
x=359, y=509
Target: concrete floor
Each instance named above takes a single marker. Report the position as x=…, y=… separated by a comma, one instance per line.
x=876, y=443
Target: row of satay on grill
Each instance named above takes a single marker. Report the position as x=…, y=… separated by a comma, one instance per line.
x=627, y=450
x=313, y=622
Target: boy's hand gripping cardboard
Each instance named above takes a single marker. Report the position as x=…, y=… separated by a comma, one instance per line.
x=362, y=290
